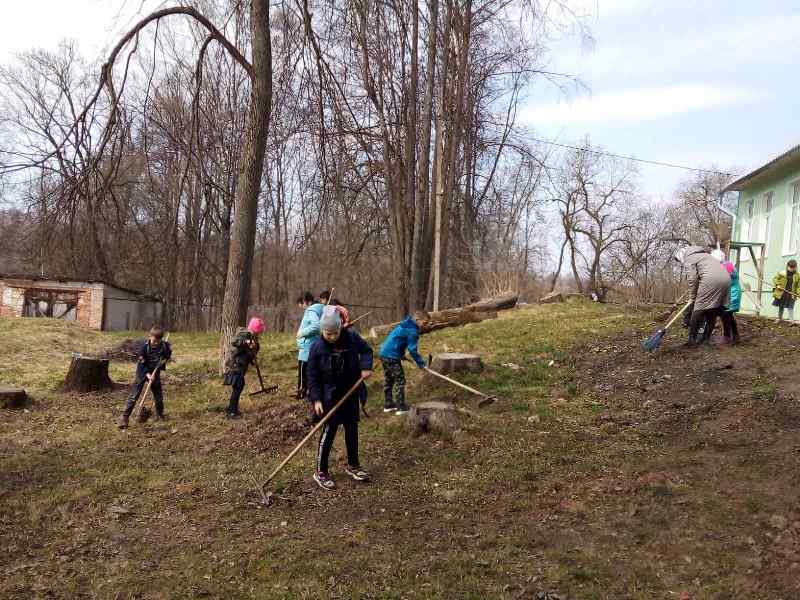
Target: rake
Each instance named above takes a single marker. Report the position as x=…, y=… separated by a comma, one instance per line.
x=267, y=496
x=264, y=390
x=654, y=341
x=486, y=400
x=141, y=412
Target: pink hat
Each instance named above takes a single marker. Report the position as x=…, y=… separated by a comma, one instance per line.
x=256, y=326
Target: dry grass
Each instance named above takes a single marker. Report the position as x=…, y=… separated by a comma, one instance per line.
x=559, y=486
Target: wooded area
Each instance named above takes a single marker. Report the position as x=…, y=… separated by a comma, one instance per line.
x=231, y=154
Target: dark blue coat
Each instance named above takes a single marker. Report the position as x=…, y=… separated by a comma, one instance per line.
x=151, y=356
x=334, y=368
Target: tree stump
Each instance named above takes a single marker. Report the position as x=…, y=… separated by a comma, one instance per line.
x=432, y=417
x=87, y=375
x=456, y=362
x=12, y=397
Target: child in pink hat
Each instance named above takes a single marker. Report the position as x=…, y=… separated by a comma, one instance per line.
x=246, y=349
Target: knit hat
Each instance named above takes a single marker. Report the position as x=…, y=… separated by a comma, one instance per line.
x=330, y=321
x=256, y=326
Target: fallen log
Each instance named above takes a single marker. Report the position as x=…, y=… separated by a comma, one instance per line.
x=501, y=302
x=452, y=317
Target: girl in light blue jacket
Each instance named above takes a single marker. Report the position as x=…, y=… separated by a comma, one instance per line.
x=307, y=334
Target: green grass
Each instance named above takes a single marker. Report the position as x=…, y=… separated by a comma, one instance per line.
x=505, y=506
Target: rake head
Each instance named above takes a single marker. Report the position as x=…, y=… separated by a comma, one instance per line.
x=488, y=400
x=268, y=390
x=144, y=415
x=654, y=341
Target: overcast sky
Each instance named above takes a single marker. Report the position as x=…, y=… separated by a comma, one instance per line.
x=694, y=82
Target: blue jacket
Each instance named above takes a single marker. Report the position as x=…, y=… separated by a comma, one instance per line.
x=308, y=331
x=404, y=335
x=735, y=301
x=334, y=368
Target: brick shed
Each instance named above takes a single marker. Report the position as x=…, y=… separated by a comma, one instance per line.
x=93, y=304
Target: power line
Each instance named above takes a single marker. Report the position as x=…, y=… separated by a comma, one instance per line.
x=640, y=160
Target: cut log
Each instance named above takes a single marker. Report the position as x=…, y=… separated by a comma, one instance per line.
x=456, y=362
x=12, y=397
x=87, y=375
x=551, y=298
x=502, y=302
x=452, y=317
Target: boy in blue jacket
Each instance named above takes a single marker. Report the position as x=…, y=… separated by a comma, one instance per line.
x=404, y=336
x=307, y=334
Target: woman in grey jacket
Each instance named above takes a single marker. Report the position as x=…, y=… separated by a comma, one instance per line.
x=709, y=286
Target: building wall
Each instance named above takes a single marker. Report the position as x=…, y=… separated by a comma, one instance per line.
x=777, y=251
x=125, y=311
x=88, y=314
x=99, y=306
x=12, y=300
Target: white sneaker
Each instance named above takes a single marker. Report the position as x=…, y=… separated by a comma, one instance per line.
x=401, y=411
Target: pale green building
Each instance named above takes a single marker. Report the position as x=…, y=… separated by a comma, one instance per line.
x=766, y=228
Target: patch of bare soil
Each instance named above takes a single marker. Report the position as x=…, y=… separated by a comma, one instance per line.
x=276, y=427
x=126, y=351
x=724, y=421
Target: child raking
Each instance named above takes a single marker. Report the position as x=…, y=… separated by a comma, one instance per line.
x=152, y=358
x=246, y=349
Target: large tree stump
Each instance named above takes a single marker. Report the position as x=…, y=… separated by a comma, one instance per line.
x=432, y=417
x=87, y=375
x=12, y=397
x=456, y=362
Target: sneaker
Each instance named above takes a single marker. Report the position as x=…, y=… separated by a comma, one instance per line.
x=401, y=410
x=323, y=481
x=389, y=408
x=161, y=417
x=123, y=422
x=233, y=415
x=357, y=473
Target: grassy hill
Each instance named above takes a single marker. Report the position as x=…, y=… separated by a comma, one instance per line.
x=601, y=472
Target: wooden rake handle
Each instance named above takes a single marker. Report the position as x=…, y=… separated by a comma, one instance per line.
x=678, y=314
x=318, y=426
x=456, y=383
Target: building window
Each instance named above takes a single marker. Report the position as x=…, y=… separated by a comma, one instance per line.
x=749, y=214
x=51, y=303
x=766, y=222
x=794, y=217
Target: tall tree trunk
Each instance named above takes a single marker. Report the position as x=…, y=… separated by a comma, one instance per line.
x=243, y=234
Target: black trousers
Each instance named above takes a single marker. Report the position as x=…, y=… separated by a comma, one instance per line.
x=302, y=379
x=706, y=318
x=237, y=385
x=729, y=327
x=137, y=390
x=326, y=443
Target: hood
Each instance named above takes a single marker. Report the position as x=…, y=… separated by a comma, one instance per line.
x=693, y=253
x=408, y=322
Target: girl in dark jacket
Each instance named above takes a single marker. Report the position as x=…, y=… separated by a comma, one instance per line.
x=335, y=364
